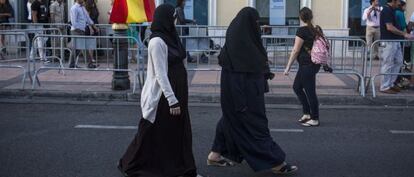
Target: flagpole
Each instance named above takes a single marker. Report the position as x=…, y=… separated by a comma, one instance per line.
x=120, y=79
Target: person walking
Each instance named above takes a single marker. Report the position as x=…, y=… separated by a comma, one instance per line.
x=403, y=82
x=242, y=132
x=305, y=81
x=93, y=12
x=163, y=144
x=80, y=23
x=392, y=57
x=40, y=16
x=57, y=16
x=371, y=16
x=181, y=21
x=6, y=12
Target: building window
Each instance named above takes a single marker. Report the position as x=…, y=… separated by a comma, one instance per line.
x=195, y=9
x=279, y=12
x=356, y=8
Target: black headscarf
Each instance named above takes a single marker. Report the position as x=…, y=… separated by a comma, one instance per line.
x=163, y=27
x=243, y=50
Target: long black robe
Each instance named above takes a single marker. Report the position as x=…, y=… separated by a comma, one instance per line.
x=243, y=133
x=164, y=148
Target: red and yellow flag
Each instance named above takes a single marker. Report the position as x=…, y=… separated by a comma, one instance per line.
x=132, y=11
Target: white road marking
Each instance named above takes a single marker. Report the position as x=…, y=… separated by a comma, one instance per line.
x=113, y=127
x=287, y=130
x=106, y=127
x=401, y=132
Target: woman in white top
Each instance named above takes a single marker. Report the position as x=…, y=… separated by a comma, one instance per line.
x=163, y=145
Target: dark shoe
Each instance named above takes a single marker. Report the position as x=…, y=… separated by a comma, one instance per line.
x=191, y=60
x=396, y=89
x=74, y=66
x=389, y=91
x=92, y=66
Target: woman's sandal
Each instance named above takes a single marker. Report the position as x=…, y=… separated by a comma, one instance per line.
x=220, y=163
x=286, y=170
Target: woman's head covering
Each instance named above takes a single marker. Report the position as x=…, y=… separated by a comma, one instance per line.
x=243, y=50
x=163, y=27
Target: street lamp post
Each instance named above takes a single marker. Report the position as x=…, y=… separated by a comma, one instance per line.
x=120, y=79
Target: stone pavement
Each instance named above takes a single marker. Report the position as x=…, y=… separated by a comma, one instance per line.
x=200, y=83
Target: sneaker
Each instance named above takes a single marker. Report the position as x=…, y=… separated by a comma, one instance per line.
x=389, y=91
x=46, y=62
x=304, y=118
x=311, y=123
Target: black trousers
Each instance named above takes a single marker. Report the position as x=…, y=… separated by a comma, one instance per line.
x=305, y=88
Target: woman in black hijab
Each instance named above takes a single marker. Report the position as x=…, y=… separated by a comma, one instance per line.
x=163, y=145
x=243, y=133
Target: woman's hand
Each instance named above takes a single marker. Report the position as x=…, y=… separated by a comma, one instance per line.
x=286, y=72
x=175, y=110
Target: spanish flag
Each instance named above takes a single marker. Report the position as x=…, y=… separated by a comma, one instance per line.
x=132, y=11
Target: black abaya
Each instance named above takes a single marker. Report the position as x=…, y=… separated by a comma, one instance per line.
x=243, y=133
x=164, y=149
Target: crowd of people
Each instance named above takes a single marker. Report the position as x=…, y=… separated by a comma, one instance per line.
x=82, y=17
x=388, y=22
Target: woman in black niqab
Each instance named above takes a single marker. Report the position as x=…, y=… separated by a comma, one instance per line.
x=164, y=148
x=242, y=133
x=243, y=50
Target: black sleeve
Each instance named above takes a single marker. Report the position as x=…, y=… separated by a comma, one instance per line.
x=388, y=16
x=301, y=33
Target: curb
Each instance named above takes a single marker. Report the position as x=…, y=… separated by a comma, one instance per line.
x=124, y=96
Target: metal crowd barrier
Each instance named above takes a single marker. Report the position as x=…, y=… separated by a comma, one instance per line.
x=348, y=54
x=86, y=44
x=15, y=36
x=370, y=71
x=19, y=47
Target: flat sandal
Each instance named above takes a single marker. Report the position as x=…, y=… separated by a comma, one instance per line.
x=220, y=163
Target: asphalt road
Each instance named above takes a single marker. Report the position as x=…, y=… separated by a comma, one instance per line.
x=41, y=140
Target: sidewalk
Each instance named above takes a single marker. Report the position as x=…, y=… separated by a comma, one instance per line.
x=203, y=87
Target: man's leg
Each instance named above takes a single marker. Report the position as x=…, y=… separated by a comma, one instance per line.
x=369, y=37
x=377, y=36
x=387, y=62
x=398, y=62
